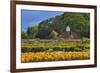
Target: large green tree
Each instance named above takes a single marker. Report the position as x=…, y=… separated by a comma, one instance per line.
x=32, y=31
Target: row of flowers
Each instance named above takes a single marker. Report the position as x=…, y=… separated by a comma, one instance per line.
x=77, y=41
x=54, y=56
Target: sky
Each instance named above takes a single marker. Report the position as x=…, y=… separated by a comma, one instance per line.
x=33, y=17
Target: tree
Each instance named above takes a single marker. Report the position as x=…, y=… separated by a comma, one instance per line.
x=53, y=34
x=43, y=34
x=32, y=31
x=44, y=30
x=24, y=35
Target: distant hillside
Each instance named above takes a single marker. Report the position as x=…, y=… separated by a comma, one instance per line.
x=55, y=27
x=78, y=23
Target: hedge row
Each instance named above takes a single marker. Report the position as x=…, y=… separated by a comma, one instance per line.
x=56, y=47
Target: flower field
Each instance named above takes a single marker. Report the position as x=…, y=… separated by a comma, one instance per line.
x=54, y=50
x=54, y=56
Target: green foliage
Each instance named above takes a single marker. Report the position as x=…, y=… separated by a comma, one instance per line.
x=43, y=34
x=24, y=35
x=32, y=31
x=53, y=34
x=78, y=49
x=77, y=22
x=54, y=46
x=50, y=50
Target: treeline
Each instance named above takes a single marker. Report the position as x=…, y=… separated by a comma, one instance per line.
x=51, y=28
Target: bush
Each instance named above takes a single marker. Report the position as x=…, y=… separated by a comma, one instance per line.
x=53, y=34
x=50, y=50
x=54, y=46
x=78, y=49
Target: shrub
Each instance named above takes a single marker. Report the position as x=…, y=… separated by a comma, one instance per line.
x=55, y=46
